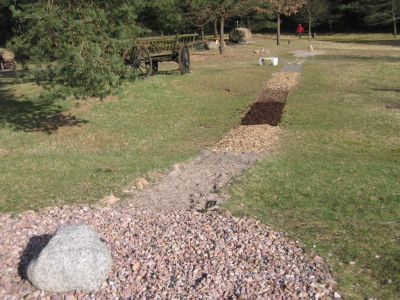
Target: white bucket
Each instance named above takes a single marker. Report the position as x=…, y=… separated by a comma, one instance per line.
x=274, y=60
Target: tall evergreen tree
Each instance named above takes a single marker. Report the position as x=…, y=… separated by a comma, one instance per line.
x=382, y=12
x=163, y=16
x=6, y=23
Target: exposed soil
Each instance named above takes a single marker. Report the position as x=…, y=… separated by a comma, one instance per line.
x=268, y=108
x=264, y=113
x=195, y=184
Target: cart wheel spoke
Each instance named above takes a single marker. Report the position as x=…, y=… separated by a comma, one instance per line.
x=140, y=60
x=184, y=60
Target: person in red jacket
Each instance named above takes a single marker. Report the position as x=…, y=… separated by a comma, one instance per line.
x=300, y=31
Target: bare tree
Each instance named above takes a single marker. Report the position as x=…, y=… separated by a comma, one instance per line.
x=224, y=9
x=313, y=12
x=282, y=8
x=199, y=14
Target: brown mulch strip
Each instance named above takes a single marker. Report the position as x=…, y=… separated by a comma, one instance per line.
x=264, y=113
x=268, y=108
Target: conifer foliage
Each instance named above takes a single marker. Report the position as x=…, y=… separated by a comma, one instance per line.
x=75, y=46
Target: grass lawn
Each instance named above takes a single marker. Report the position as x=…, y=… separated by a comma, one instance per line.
x=100, y=148
x=335, y=182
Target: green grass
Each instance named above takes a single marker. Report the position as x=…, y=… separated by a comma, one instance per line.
x=335, y=183
x=153, y=124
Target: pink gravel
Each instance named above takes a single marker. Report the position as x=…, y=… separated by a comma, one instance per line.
x=170, y=255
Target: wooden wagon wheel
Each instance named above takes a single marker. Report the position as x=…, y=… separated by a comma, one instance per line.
x=184, y=60
x=140, y=60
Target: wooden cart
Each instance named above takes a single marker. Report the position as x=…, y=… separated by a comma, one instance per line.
x=146, y=53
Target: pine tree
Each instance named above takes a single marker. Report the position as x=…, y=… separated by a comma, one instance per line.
x=382, y=12
x=75, y=46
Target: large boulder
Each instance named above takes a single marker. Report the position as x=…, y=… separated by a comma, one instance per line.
x=6, y=55
x=240, y=35
x=74, y=259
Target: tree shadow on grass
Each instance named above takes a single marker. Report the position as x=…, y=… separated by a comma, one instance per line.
x=344, y=57
x=395, y=90
x=32, y=251
x=41, y=115
x=395, y=43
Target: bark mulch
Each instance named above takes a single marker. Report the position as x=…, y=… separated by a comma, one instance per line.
x=268, y=108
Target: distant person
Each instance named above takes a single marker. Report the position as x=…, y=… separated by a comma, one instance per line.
x=300, y=31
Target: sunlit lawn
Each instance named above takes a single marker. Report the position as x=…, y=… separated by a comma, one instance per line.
x=335, y=183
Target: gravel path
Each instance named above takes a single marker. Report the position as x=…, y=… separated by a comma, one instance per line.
x=172, y=251
x=174, y=255
x=195, y=184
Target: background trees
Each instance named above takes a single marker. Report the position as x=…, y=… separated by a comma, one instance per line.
x=313, y=12
x=378, y=12
x=199, y=13
x=77, y=44
x=283, y=8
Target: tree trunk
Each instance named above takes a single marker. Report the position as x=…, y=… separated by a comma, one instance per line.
x=221, y=36
x=278, y=30
x=330, y=22
x=394, y=6
x=309, y=29
x=202, y=34
x=248, y=23
x=215, y=27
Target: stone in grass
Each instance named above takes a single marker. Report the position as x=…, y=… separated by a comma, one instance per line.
x=74, y=259
x=240, y=35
